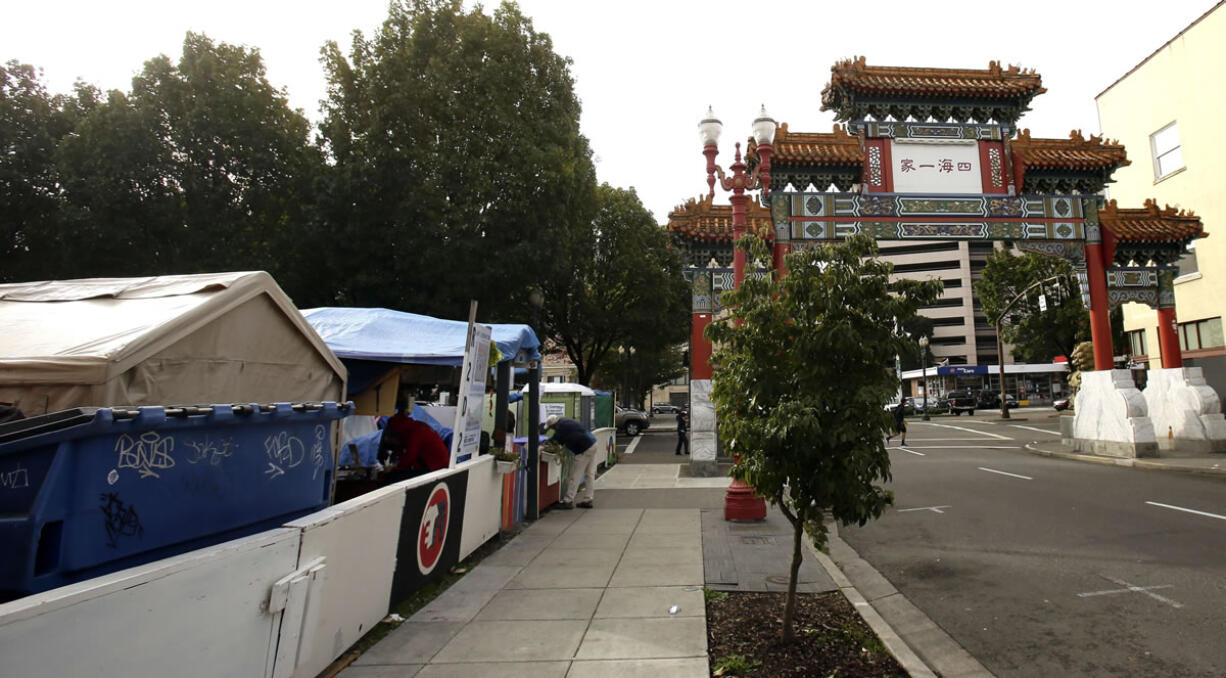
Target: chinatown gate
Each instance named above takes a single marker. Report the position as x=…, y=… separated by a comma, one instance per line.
x=971, y=176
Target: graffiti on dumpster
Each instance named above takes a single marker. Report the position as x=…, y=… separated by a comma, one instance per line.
x=317, y=450
x=121, y=519
x=284, y=451
x=148, y=453
x=16, y=479
x=210, y=450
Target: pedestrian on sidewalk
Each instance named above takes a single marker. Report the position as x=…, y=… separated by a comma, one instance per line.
x=900, y=423
x=572, y=435
x=683, y=440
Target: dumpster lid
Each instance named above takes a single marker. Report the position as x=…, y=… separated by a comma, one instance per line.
x=46, y=423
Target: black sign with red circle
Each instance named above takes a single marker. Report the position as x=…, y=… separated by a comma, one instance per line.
x=430, y=528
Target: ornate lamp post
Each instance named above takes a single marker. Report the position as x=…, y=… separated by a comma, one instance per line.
x=763, y=135
x=740, y=502
x=923, y=344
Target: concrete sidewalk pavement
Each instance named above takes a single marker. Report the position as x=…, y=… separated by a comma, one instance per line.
x=578, y=594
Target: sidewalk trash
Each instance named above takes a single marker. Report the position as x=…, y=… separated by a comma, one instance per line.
x=673, y=610
x=393, y=618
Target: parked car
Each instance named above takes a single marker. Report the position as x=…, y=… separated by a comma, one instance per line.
x=663, y=408
x=961, y=400
x=935, y=405
x=631, y=422
x=990, y=400
x=1061, y=404
x=908, y=406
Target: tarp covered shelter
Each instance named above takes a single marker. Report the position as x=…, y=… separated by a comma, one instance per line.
x=183, y=339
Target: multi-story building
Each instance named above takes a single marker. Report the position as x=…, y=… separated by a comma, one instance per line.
x=1167, y=112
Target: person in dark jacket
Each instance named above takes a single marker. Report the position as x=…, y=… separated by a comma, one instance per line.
x=900, y=424
x=683, y=440
x=574, y=437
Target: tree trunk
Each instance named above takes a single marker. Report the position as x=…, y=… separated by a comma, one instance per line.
x=789, y=609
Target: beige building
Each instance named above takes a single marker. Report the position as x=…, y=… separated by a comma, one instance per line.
x=1167, y=111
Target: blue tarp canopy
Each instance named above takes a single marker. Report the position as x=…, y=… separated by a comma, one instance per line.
x=382, y=335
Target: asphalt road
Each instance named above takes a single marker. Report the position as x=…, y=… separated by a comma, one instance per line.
x=1048, y=567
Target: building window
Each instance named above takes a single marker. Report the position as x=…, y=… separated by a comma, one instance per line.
x=1201, y=334
x=1168, y=155
x=1187, y=263
x=1136, y=342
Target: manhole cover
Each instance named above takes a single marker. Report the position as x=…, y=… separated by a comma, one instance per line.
x=757, y=540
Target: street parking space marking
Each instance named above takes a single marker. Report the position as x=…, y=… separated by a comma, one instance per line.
x=918, y=454
x=1005, y=473
x=934, y=509
x=971, y=430
x=1187, y=510
x=633, y=444
x=1037, y=430
x=1132, y=588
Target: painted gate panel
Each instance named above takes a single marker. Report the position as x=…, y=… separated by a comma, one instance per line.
x=358, y=539
x=199, y=614
x=481, y=513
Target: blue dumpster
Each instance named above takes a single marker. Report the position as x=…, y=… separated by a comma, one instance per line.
x=89, y=491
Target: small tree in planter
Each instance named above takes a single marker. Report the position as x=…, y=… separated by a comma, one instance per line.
x=803, y=365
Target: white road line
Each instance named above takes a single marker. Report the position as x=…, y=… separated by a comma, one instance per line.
x=934, y=509
x=633, y=444
x=1039, y=430
x=965, y=447
x=971, y=430
x=1131, y=588
x=918, y=454
x=1187, y=510
x=1005, y=473
x=964, y=440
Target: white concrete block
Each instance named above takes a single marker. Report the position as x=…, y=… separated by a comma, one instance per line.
x=1186, y=411
x=1111, y=416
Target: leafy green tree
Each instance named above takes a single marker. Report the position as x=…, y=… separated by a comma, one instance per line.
x=633, y=374
x=457, y=159
x=203, y=166
x=1037, y=336
x=32, y=124
x=622, y=285
x=803, y=366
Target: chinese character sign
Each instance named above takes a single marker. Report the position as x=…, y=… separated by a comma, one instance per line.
x=936, y=168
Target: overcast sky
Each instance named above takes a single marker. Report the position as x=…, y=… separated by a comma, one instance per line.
x=646, y=70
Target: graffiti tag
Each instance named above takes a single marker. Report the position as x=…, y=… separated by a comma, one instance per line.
x=211, y=450
x=317, y=450
x=16, y=479
x=121, y=519
x=284, y=451
x=148, y=454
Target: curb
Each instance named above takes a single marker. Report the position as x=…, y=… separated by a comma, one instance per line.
x=894, y=644
x=1127, y=462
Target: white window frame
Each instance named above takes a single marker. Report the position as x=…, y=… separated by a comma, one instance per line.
x=1158, y=154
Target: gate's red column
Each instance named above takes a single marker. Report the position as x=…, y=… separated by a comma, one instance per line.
x=1168, y=339
x=1100, y=320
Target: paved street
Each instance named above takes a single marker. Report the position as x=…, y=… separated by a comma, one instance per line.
x=1048, y=567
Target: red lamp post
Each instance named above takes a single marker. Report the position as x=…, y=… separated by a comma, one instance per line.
x=739, y=182
x=740, y=501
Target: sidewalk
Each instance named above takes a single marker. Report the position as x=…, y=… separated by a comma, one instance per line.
x=578, y=594
x=1212, y=464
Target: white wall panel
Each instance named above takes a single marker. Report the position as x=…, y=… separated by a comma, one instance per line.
x=358, y=539
x=483, y=506
x=198, y=614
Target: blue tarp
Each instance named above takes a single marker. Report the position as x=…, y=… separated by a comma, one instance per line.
x=368, y=445
x=379, y=334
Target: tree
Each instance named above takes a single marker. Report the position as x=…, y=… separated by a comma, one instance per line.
x=202, y=167
x=632, y=374
x=802, y=367
x=457, y=157
x=621, y=286
x=32, y=124
x=1037, y=336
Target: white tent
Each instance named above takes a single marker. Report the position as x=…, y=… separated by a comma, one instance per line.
x=167, y=340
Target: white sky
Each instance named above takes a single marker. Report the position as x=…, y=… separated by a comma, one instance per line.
x=646, y=70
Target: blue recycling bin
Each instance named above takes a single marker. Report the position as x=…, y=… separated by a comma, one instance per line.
x=89, y=491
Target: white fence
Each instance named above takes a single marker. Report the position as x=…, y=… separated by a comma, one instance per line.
x=281, y=603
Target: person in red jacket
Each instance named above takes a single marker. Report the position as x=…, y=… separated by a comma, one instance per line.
x=412, y=448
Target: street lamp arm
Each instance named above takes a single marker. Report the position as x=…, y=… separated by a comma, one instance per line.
x=1022, y=294
x=1000, y=342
